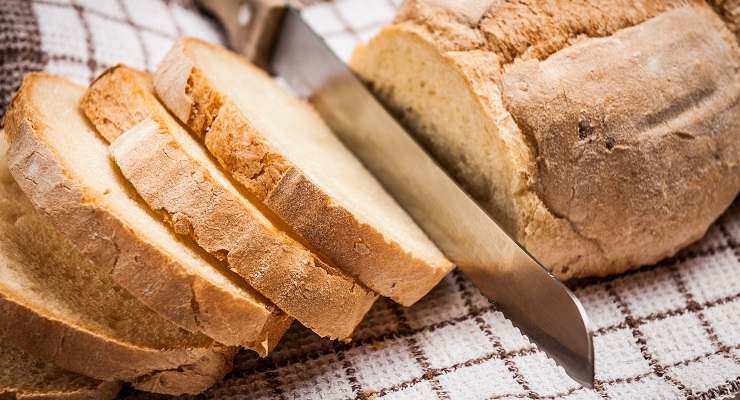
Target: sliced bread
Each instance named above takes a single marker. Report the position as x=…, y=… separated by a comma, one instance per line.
x=279, y=149
x=64, y=167
x=176, y=177
x=25, y=377
x=729, y=11
x=57, y=305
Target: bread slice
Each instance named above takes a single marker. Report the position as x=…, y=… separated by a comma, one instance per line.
x=279, y=149
x=175, y=176
x=25, y=377
x=57, y=306
x=64, y=167
x=604, y=135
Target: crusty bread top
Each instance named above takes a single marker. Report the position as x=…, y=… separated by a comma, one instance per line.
x=23, y=376
x=122, y=97
x=279, y=149
x=528, y=29
x=650, y=156
x=56, y=303
x=602, y=134
x=174, y=176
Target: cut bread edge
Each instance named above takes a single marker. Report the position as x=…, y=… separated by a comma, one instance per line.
x=132, y=260
x=176, y=184
x=57, y=338
x=114, y=102
x=325, y=300
x=333, y=230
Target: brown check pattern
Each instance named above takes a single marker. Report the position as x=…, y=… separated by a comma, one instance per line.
x=668, y=331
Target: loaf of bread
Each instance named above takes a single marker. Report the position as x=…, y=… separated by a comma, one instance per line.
x=602, y=134
x=280, y=151
x=57, y=306
x=175, y=176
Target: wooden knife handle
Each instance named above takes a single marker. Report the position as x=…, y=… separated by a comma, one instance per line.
x=252, y=25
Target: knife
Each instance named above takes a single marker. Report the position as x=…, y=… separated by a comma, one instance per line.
x=274, y=36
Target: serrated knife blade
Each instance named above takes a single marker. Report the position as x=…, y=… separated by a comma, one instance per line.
x=537, y=303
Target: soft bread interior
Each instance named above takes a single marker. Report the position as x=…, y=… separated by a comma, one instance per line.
x=299, y=133
x=437, y=104
x=85, y=154
x=42, y=271
x=23, y=374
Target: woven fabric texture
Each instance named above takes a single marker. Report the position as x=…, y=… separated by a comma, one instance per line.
x=669, y=331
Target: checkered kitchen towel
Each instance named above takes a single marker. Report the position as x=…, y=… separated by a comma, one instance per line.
x=670, y=331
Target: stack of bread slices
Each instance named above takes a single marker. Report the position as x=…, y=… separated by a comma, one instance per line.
x=153, y=224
